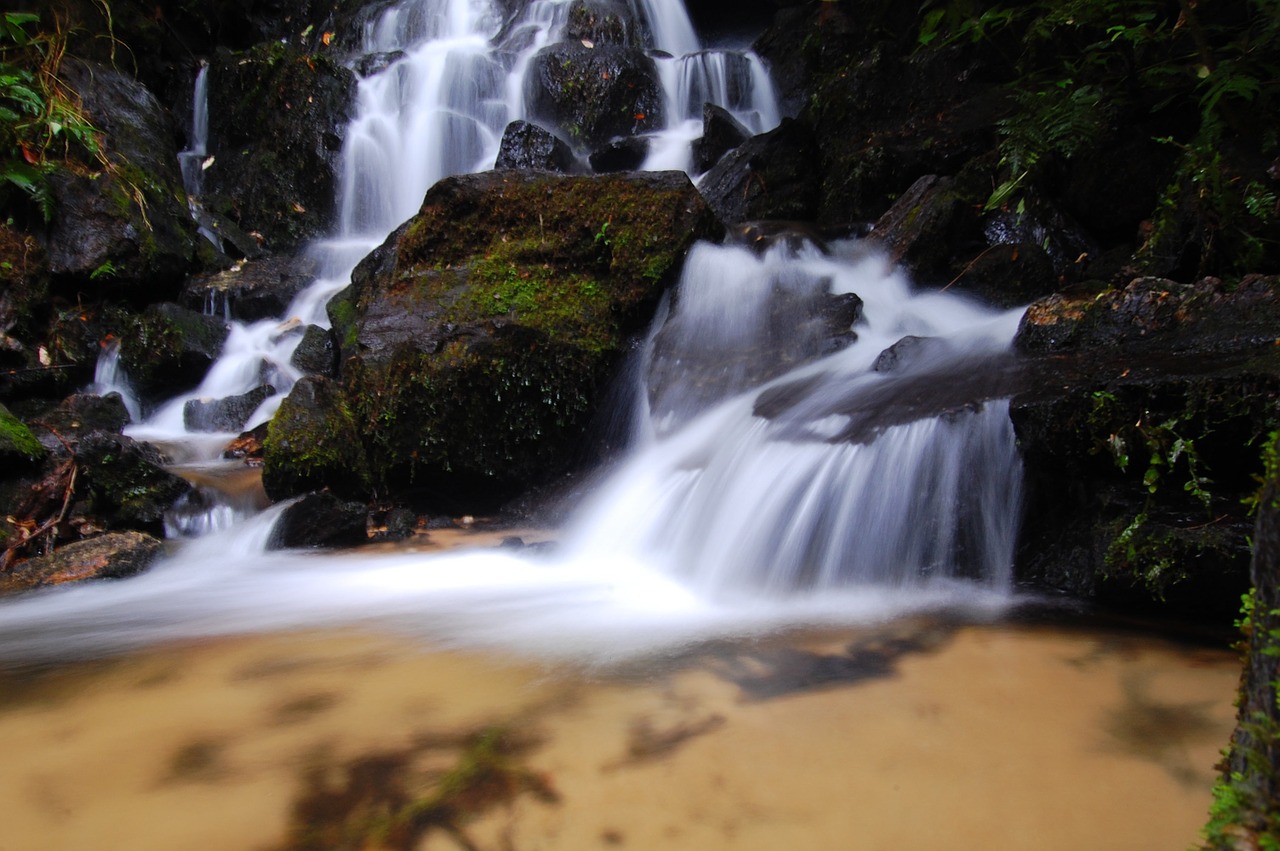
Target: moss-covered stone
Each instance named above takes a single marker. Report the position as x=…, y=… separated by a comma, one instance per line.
x=312, y=443
x=475, y=342
x=16, y=440
x=126, y=482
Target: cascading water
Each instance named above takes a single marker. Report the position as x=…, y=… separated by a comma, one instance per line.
x=759, y=495
x=194, y=159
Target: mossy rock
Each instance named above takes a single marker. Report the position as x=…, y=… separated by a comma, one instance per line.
x=126, y=481
x=17, y=443
x=168, y=349
x=312, y=444
x=475, y=343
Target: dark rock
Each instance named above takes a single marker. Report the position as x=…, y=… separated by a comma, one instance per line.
x=1038, y=221
x=721, y=133
x=126, y=229
x=312, y=443
x=1205, y=316
x=479, y=338
x=376, y=63
x=169, y=349
x=316, y=354
x=253, y=290
x=83, y=413
x=320, y=520
x=125, y=481
x=528, y=147
x=400, y=524
x=1008, y=275
x=770, y=176
x=604, y=22
x=277, y=116
x=229, y=414
x=116, y=555
x=904, y=352
x=923, y=227
x=620, y=155
x=590, y=95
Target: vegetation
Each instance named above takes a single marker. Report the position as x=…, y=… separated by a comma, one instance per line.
x=1203, y=80
x=41, y=123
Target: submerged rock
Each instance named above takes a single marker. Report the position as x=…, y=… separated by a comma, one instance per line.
x=115, y=555
x=477, y=340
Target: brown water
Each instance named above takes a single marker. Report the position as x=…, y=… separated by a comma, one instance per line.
x=919, y=734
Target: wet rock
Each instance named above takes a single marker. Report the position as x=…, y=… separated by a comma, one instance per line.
x=316, y=354
x=312, y=443
x=620, y=155
x=169, y=349
x=528, y=147
x=400, y=524
x=320, y=520
x=125, y=481
x=228, y=414
x=277, y=118
x=904, y=352
x=116, y=555
x=604, y=22
x=480, y=337
x=18, y=446
x=1038, y=221
x=1205, y=316
x=1007, y=275
x=83, y=413
x=376, y=63
x=126, y=229
x=247, y=446
x=923, y=228
x=590, y=95
x=253, y=290
x=762, y=236
x=721, y=133
x=770, y=176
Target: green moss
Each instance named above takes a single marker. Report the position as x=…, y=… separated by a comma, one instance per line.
x=312, y=443
x=17, y=439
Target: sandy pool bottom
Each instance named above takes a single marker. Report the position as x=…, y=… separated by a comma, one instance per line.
x=917, y=734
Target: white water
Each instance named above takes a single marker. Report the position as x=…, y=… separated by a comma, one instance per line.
x=723, y=522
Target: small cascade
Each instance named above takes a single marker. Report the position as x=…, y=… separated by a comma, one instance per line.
x=194, y=159
x=109, y=377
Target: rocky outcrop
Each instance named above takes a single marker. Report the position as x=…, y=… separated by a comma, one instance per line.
x=121, y=223
x=770, y=176
x=476, y=342
x=592, y=95
x=116, y=555
x=278, y=114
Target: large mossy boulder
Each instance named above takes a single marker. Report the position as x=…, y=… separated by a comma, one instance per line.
x=168, y=349
x=121, y=222
x=125, y=482
x=476, y=341
x=313, y=443
x=277, y=118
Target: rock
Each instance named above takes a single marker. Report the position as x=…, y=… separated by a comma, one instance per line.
x=252, y=290
x=626, y=154
x=604, y=22
x=721, y=133
x=312, y=443
x=316, y=354
x=126, y=229
x=115, y=555
x=1039, y=221
x=228, y=414
x=169, y=349
x=770, y=176
x=277, y=118
x=399, y=525
x=1007, y=275
x=590, y=95
x=248, y=446
x=528, y=147
x=905, y=352
x=476, y=342
x=320, y=520
x=125, y=482
x=84, y=413
x=923, y=228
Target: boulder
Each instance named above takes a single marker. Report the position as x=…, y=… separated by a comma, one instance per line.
x=316, y=353
x=320, y=520
x=604, y=22
x=84, y=413
x=923, y=228
x=168, y=349
x=528, y=147
x=475, y=343
x=125, y=481
x=252, y=290
x=721, y=133
x=277, y=118
x=590, y=95
x=18, y=446
x=228, y=414
x=770, y=176
x=312, y=443
x=626, y=154
x=115, y=555
x=126, y=228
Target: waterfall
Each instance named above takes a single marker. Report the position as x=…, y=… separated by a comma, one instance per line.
x=193, y=160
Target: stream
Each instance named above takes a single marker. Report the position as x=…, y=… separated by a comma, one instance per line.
x=783, y=618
